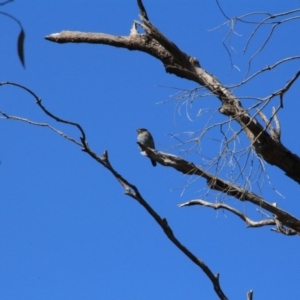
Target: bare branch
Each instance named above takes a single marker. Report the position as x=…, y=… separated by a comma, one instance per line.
x=222, y=11
x=10, y=16
x=267, y=68
x=42, y=125
x=134, y=193
x=283, y=90
x=273, y=20
x=267, y=20
x=39, y=103
x=248, y=221
x=260, y=49
x=142, y=10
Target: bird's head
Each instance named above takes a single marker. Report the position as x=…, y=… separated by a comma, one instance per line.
x=141, y=130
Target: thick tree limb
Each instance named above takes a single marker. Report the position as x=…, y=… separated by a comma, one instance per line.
x=180, y=64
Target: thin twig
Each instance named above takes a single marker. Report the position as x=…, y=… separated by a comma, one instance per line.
x=42, y=125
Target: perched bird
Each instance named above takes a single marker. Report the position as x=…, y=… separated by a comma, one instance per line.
x=145, y=138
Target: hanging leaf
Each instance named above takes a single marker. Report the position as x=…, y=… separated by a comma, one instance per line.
x=21, y=39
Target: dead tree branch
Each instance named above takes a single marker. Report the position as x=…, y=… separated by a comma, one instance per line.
x=182, y=65
x=248, y=221
x=130, y=189
x=134, y=193
x=14, y=118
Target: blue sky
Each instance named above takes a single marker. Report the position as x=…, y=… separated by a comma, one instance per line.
x=67, y=231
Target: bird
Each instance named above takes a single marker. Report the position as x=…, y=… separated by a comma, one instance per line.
x=145, y=138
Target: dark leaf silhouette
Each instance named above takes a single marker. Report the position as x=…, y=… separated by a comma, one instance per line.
x=21, y=39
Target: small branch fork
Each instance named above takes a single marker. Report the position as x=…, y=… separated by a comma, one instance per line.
x=130, y=189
